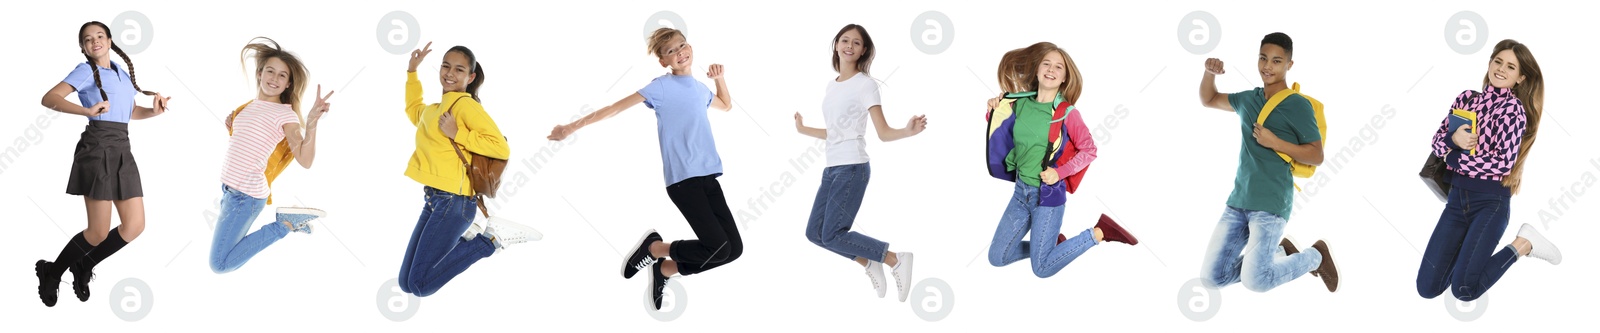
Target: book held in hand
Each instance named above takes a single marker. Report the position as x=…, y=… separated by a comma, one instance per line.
x=1458, y=118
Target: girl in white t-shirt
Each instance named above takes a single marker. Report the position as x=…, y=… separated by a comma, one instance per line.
x=265, y=134
x=851, y=98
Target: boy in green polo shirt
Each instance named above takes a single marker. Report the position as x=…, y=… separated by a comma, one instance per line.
x=1263, y=188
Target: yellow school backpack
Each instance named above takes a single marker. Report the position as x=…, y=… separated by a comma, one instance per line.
x=1300, y=170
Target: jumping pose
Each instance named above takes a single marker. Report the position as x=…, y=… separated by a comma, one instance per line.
x=103, y=170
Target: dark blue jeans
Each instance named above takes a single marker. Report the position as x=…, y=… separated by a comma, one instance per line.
x=437, y=253
x=834, y=212
x=1461, y=253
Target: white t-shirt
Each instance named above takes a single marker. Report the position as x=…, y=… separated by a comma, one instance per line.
x=844, y=107
x=256, y=132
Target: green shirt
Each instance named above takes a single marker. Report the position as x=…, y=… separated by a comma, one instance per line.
x=1031, y=134
x=1264, y=181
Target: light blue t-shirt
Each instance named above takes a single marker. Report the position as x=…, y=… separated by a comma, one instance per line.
x=687, y=149
x=117, y=84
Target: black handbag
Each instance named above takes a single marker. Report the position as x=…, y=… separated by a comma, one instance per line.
x=1437, y=177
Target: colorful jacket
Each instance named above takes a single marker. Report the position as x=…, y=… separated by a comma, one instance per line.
x=276, y=162
x=1501, y=123
x=1071, y=160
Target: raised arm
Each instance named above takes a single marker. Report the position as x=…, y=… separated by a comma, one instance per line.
x=304, y=148
x=1208, y=87
x=413, y=85
x=724, y=100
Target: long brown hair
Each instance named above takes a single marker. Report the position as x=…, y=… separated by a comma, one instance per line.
x=1019, y=71
x=1531, y=93
x=259, y=50
x=125, y=60
x=868, y=50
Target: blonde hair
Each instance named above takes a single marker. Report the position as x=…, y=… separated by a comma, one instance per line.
x=259, y=50
x=660, y=38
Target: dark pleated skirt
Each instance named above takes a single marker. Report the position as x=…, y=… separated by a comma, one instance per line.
x=102, y=165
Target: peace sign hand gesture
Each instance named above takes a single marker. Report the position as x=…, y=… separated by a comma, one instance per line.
x=319, y=107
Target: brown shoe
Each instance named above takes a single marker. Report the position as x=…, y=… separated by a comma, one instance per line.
x=1327, y=271
x=1290, y=249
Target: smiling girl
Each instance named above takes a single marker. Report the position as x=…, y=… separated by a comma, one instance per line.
x=264, y=136
x=851, y=98
x=1461, y=252
x=1038, y=140
x=103, y=169
x=441, y=246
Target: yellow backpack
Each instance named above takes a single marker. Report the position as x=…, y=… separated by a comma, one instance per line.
x=1300, y=170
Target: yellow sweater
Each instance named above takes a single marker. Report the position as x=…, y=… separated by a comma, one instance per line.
x=434, y=163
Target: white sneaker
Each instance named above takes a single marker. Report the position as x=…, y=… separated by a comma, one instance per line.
x=505, y=232
x=1541, y=247
x=902, y=275
x=875, y=272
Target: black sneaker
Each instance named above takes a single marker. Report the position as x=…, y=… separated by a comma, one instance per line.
x=658, y=283
x=640, y=258
x=47, y=285
x=80, y=281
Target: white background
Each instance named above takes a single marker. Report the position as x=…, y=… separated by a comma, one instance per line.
x=1165, y=168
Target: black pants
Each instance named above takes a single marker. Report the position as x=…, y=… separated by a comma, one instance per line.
x=702, y=204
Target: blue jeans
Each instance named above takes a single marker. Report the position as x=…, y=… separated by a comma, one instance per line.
x=437, y=253
x=834, y=212
x=1025, y=216
x=1459, y=252
x=1245, y=248
x=230, y=247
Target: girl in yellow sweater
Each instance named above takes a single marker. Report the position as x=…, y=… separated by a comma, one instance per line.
x=440, y=246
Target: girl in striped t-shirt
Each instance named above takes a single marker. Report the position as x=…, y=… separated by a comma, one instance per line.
x=265, y=136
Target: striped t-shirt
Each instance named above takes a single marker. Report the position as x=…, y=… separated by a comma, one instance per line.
x=256, y=132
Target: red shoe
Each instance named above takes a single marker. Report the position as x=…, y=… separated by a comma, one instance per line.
x=1110, y=231
x=1060, y=238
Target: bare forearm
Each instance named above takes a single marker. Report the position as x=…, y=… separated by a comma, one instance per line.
x=723, y=95
x=64, y=106
x=1208, y=88
x=140, y=113
x=891, y=134
x=1310, y=153
x=819, y=133
x=595, y=117
x=307, y=152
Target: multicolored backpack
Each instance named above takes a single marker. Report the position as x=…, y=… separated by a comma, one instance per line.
x=1002, y=121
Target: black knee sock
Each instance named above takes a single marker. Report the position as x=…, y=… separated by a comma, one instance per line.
x=110, y=246
x=75, y=250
